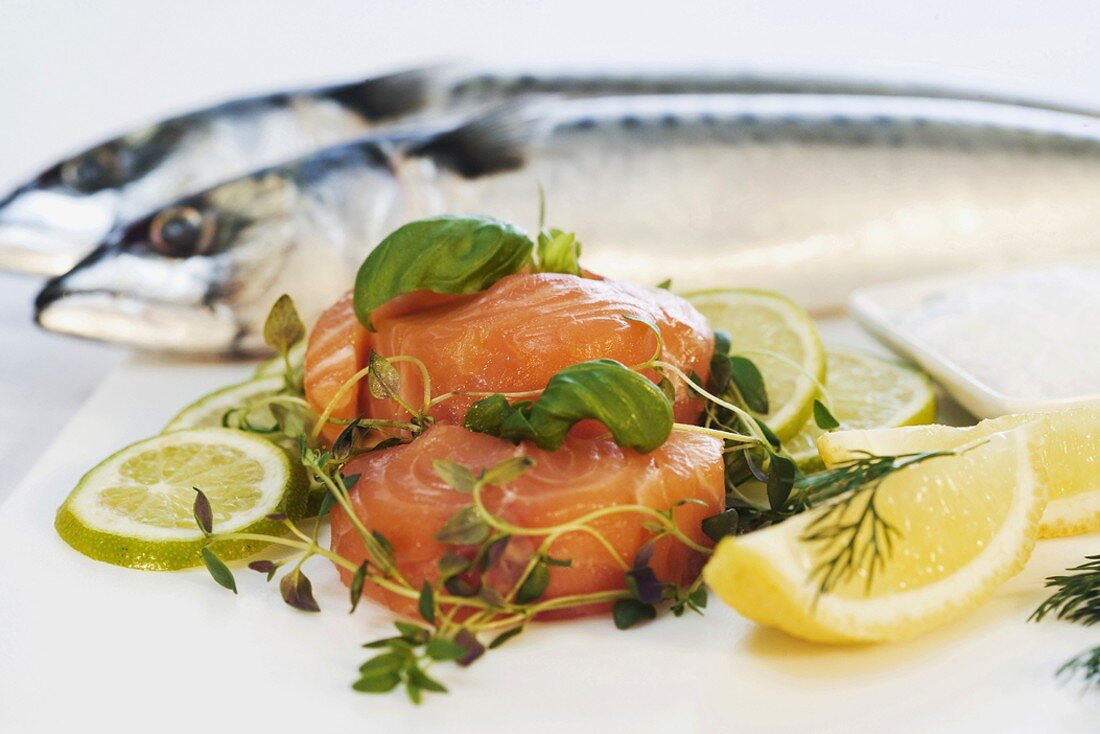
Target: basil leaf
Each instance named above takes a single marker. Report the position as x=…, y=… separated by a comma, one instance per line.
x=636, y=411
x=448, y=254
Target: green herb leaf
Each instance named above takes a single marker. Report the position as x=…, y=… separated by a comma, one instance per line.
x=414, y=634
x=466, y=527
x=504, y=637
x=426, y=603
x=448, y=254
x=297, y=591
x=451, y=564
x=381, y=683
x=219, y=570
x=633, y=409
x=559, y=252
x=629, y=612
x=722, y=342
x=387, y=662
x=356, y=589
x=204, y=516
x=382, y=377
x=534, y=586
x=768, y=433
x=665, y=284
x=749, y=382
x=719, y=526
x=699, y=597
x=386, y=550
x=781, y=476
x=823, y=418
x=283, y=327
x=422, y=680
x=507, y=470
x=455, y=475
x=444, y=650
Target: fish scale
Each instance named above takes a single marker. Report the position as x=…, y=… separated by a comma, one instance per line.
x=810, y=195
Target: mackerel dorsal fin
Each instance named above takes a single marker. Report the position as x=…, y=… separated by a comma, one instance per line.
x=392, y=96
x=493, y=143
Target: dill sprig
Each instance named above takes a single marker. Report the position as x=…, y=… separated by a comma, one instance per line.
x=1086, y=665
x=854, y=538
x=1077, y=599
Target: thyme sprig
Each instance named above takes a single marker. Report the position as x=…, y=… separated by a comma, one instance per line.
x=1076, y=599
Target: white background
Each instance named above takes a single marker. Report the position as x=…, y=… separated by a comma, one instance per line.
x=72, y=73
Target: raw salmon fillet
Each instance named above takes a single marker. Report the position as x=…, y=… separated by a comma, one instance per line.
x=337, y=349
x=512, y=337
x=400, y=495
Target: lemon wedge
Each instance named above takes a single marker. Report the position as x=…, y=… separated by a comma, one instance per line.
x=1065, y=448
x=964, y=524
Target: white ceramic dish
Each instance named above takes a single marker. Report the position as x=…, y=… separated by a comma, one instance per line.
x=881, y=309
x=85, y=646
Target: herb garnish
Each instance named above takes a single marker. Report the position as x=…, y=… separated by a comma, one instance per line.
x=1077, y=599
x=460, y=609
x=447, y=254
x=636, y=412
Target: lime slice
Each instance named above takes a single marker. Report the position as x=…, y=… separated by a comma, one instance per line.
x=209, y=410
x=779, y=336
x=135, y=508
x=276, y=365
x=866, y=392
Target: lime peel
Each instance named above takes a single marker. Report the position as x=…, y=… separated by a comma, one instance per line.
x=135, y=508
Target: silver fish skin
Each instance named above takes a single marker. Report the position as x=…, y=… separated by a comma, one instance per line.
x=809, y=195
x=52, y=221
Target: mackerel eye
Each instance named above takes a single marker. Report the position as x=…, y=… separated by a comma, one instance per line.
x=93, y=171
x=181, y=231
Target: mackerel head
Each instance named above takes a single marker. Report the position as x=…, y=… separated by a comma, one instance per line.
x=196, y=276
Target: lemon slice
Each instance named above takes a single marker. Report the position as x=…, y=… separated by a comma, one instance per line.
x=1064, y=446
x=966, y=523
x=208, y=411
x=780, y=337
x=135, y=508
x=866, y=392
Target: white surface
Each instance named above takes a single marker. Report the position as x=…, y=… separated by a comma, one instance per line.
x=89, y=647
x=890, y=310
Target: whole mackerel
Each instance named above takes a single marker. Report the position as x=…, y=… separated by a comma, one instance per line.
x=811, y=195
x=52, y=221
